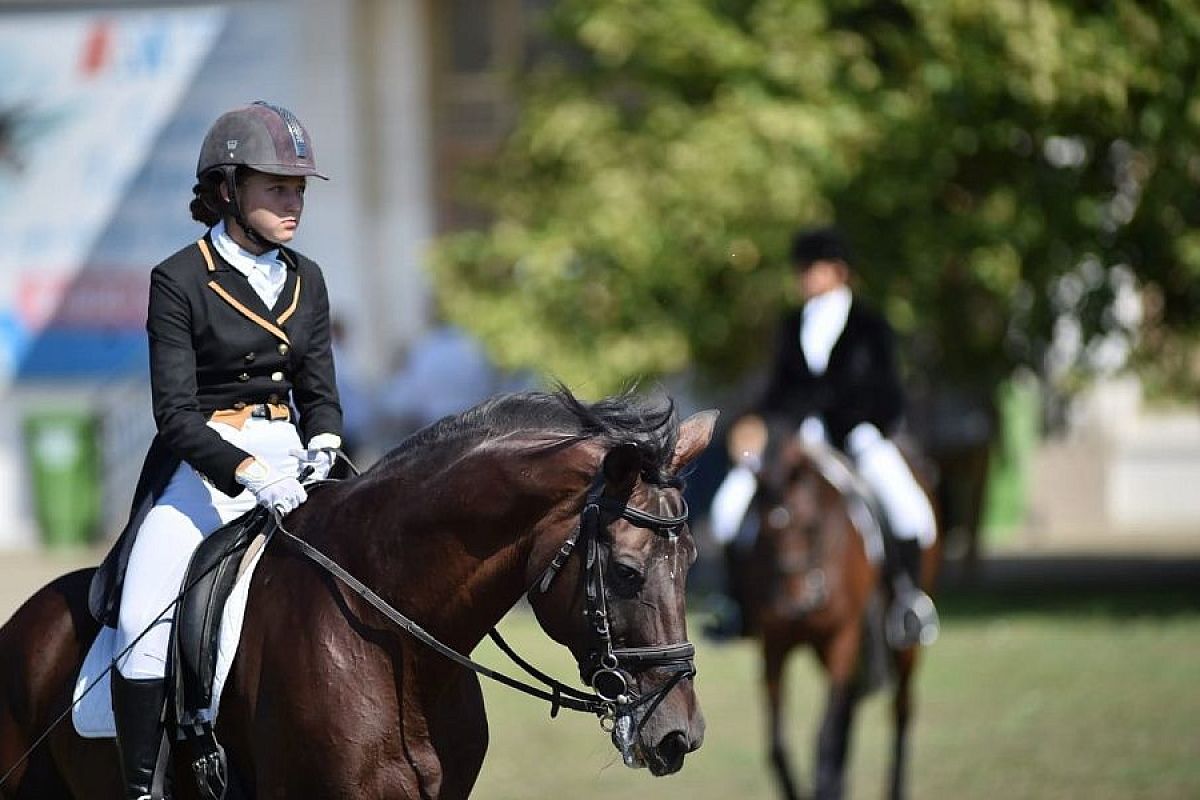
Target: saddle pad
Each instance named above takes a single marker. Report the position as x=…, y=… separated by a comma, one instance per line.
x=93, y=715
x=861, y=503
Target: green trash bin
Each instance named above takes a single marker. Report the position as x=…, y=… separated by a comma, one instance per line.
x=64, y=461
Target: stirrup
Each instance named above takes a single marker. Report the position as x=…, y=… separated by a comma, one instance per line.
x=912, y=620
x=210, y=767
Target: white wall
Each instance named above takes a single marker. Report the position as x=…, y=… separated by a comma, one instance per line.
x=1125, y=476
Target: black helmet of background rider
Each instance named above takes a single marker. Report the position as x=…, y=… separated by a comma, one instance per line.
x=260, y=136
x=819, y=244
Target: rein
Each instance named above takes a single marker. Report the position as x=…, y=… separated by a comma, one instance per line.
x=560, y=696
x=606, y=667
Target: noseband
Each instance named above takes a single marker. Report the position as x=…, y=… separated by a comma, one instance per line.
x=607, y=669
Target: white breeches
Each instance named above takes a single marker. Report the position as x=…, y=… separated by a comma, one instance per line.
x=880, y=465
x=189, y=510
x=730, y=503
x=884, y=469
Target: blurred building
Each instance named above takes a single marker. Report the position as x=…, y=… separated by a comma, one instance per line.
x=1115, y=479
x=102, y=110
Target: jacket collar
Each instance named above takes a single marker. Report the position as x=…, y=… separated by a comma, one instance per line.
x=233, y=287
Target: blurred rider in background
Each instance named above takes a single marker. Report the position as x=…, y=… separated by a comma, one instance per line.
x=834, y=381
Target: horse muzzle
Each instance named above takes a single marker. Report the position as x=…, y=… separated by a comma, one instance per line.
x=658, y=738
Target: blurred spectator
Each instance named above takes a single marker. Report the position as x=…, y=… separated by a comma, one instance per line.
x=358, y=411
x=445, y=372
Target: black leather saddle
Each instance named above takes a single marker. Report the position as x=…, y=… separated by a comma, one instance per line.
x=211, y=574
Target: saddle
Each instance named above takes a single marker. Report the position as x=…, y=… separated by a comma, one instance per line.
x=211, y=574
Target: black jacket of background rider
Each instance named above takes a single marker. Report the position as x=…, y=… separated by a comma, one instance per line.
x=860, y=383
x=215, y=345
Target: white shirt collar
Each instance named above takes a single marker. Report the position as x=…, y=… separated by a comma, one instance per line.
x=243, y=260
x=824, y=319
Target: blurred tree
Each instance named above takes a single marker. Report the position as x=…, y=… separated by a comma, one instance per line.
x=999, y=165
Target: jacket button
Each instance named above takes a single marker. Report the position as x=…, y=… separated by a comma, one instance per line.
x=249, y=357
x=276, y=376
x=239, y=405
x=283, y=349
x=243, y=377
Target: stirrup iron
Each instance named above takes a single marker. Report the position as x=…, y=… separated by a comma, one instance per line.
x=210, y=768
x=912, y=620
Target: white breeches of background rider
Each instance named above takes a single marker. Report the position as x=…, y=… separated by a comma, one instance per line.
x=884, y=469
x=189, y=510
x=880, y=465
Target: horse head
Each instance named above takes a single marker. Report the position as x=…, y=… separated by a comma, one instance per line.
x=619, y=604
x=803, y=532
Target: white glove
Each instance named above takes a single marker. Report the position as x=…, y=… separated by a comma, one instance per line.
x=272, y=490
x=319, y=455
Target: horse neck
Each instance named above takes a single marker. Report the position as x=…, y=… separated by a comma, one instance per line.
x=455, y=552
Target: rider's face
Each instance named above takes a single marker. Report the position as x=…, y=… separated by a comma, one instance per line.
x=272, y=204
x=823, y=276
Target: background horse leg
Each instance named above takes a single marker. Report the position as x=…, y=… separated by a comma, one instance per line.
x=840, y=657
x=901, y=708
x=774, y=656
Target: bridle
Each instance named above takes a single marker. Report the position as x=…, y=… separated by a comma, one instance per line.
x=607, y=669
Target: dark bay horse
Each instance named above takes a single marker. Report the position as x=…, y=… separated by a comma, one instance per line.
x=326, y=697
x=816, y=585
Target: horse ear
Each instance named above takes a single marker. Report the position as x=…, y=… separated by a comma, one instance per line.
x=622, y=465
x=694, y=435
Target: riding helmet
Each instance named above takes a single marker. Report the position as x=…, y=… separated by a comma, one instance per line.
x=262, y=136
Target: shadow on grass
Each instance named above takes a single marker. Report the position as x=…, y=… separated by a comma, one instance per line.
x=1112, y=587
x=1116, y=587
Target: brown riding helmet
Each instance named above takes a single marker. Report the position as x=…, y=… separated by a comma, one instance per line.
x=264, y=137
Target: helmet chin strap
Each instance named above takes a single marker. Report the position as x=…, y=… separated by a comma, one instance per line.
x=234, y=208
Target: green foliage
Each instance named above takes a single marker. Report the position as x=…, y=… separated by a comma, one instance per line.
x=975, y=153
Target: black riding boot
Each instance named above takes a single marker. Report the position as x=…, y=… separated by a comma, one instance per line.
x=912, y=619
x=137, y=711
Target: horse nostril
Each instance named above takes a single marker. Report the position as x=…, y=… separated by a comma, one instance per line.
x=671, y=750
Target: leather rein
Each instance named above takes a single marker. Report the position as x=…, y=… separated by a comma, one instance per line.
x=607, y=669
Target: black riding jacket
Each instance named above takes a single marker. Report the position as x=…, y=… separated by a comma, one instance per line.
x=860, y=383
x=215, y=345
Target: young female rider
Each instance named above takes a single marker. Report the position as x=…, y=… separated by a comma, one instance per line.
x=239, y=341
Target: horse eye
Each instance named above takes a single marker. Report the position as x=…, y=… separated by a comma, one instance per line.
x=627, y=580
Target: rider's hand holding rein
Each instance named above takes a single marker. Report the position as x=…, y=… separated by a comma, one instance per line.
x=271, y=489
x=318, y=459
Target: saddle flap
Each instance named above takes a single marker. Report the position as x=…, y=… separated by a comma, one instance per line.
x=211, y=574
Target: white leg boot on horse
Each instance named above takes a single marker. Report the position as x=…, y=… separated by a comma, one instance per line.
x=912, y=528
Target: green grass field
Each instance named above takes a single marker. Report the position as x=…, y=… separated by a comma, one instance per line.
x=1059, y=696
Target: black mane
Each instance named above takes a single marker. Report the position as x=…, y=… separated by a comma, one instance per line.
x=650, y=423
